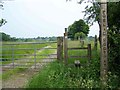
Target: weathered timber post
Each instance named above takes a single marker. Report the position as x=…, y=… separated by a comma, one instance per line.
x=65, y=47
x=103, y=61
x=59, y=48
x=89, y=53
x=95, y=43
x=13, y=56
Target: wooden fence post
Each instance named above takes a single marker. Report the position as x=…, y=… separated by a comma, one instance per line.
x=95, y=43
x=59, y=48
x=89, y=53
x=65, y=47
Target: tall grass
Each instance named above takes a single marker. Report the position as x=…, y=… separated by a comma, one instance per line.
x=57, y=75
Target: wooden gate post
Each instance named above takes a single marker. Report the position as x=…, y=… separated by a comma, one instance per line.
x=59, y=48
x=65, y=47
x=89, y=53
x=95, y=43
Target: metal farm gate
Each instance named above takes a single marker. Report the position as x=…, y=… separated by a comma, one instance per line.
x=27, y=55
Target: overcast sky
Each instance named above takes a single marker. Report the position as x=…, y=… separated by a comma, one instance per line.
x=32, y=18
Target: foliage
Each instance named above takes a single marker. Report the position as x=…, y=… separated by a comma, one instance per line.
x=92, y=11
x=78, y=26
x=92, y=14
x=80, y=35
x=5, y=37
x=56, y=75
x=2, y=21
x=114, y=35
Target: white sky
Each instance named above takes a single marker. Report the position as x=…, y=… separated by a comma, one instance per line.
x=32, y=18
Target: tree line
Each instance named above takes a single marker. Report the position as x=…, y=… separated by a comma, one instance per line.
x=6, y=37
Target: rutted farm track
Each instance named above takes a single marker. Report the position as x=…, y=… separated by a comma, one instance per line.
x=19, y=80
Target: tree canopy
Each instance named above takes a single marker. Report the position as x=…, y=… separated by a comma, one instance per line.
x=114, y=34
x=80, y=35
x=78, y=26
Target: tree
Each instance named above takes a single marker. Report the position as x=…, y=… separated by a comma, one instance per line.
x=2, y=21
x=78, y=26
x=114, y=35
x=80, y=35
x=5, y=37
x=92, y=14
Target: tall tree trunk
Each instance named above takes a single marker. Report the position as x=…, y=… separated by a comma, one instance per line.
x=99, y=33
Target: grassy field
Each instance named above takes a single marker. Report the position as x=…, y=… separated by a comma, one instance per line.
x=57, y=75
